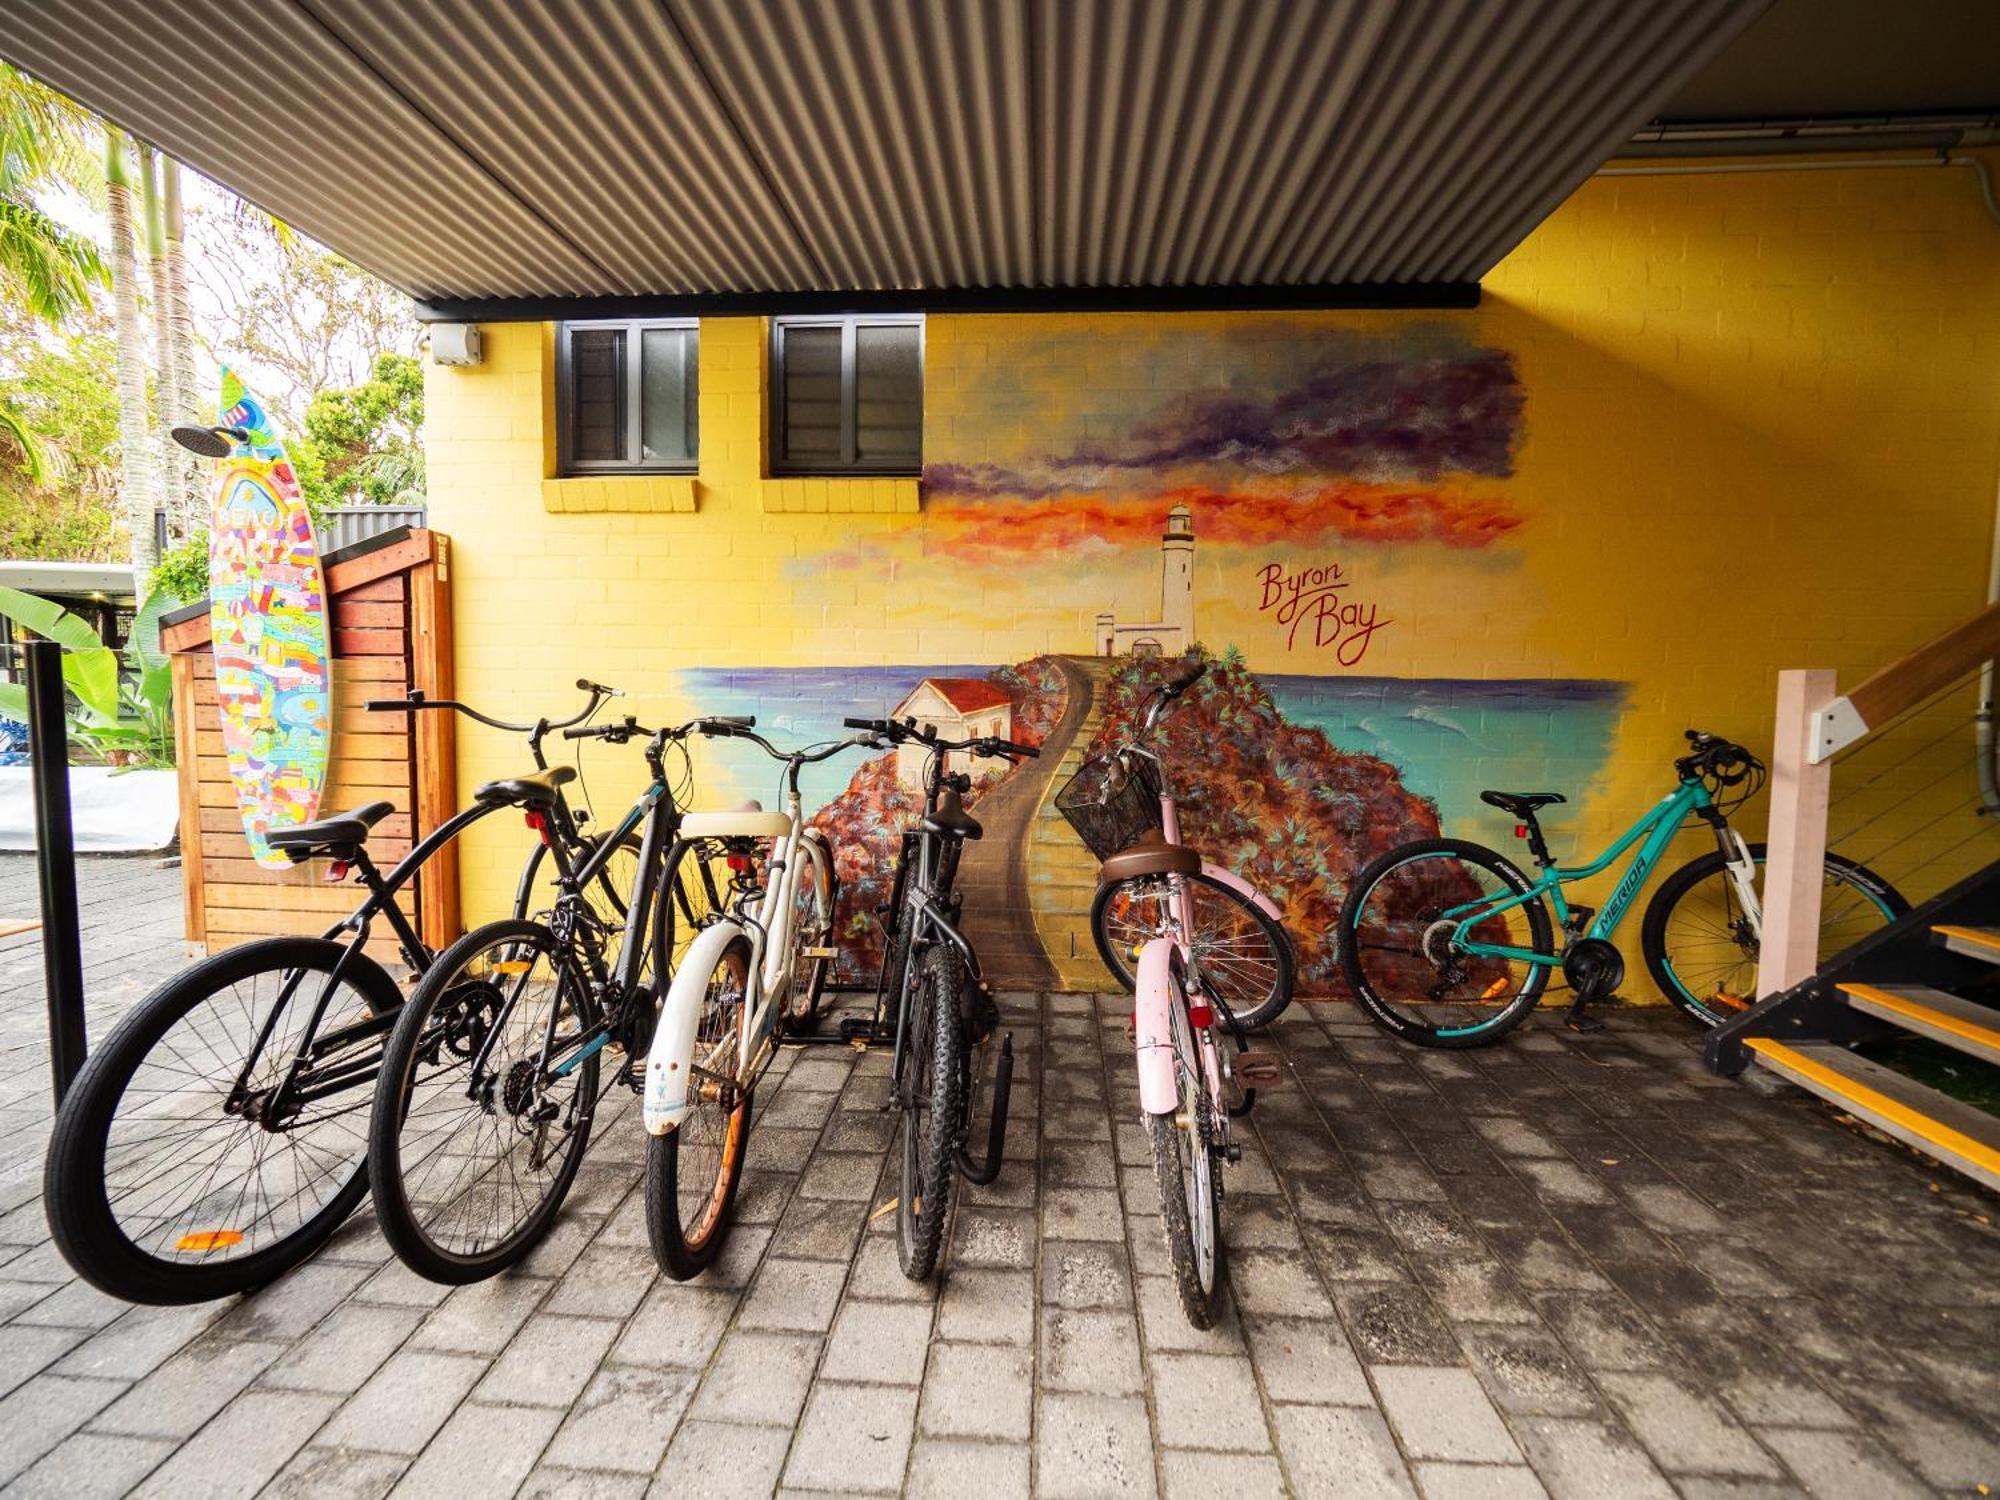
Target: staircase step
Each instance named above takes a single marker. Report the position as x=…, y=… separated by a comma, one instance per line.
x=1953, y=1132
x=1972, y=942
x=1970, y=1027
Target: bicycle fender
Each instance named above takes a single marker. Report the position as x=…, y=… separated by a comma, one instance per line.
x=1153, y=1029
x=1244, y=889
x=667, y=1060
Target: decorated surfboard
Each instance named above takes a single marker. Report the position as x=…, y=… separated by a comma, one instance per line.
x=268, y=615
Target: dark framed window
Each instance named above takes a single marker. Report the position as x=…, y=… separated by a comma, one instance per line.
x=626, y=396
x=847, y=394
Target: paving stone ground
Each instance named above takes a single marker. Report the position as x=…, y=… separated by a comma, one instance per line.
x=1568, y=1266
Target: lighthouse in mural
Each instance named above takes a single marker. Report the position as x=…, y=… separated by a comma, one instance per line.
x=1173, y=632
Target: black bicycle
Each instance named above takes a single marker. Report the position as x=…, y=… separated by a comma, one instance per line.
x=216, y=1138
x=490, y=1083
x=932, y=1001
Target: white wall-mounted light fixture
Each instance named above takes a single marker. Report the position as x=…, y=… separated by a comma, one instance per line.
x=455, y=344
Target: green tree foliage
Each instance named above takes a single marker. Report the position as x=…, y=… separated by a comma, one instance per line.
x=59, y=491
x=363, y=445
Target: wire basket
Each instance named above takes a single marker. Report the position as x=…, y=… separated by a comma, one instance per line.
x=1112, y=802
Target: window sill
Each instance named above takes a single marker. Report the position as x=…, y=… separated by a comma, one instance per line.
x=841, y=496
x=651, y=493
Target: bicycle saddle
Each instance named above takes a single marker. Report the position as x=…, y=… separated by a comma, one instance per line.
x=952, y=818
x=1152, y=855
x=338, y=837
x=1521, y=804
x=537, y=790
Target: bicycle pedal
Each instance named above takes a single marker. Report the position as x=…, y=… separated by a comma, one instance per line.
x=1582, y=1024
x=1232, y=1153
x=1262, y=1070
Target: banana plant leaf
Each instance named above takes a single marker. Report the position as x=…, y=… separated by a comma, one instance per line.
x=89, y=667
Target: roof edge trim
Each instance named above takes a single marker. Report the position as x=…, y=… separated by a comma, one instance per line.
x=1341, y=296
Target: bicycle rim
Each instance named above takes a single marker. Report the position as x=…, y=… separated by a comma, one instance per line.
x=482, y=1159
x=1196, y=1151
x=1413, y=974
x=1709, y=953
x=1238, y=950
x=709, y=1149
x=812, y=918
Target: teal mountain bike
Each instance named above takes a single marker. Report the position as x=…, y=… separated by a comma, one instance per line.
x=1448, y=944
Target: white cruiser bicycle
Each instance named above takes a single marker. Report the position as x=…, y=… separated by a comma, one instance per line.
x=758, y=967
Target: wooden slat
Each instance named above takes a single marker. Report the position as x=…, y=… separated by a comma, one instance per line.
x=382, y=591
x=352, y=643
x=341, y=791
x=345, y=670
x=351, y=744
x=222, y=835
x=364, y=614
x=436, y=768
x=186, y=732
x=1904, y=684
x=381, y=949
x=334, y=900
x=345, y=771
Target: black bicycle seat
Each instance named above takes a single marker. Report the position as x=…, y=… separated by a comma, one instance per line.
x=537, y=790
x=952, y=818
x=338, y=837
x=1521, y=804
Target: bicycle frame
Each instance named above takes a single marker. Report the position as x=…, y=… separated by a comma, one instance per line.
x=1657, y=828
x=671, y=1063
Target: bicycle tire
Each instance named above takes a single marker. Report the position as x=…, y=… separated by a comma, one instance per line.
x=802, y=1004
x=1380, y=1010
x=928, y=1156
x=78, y=1169
x=1886, y=899
x=680, y=1254
x=1187, y=1194
x=1255, y=1016
x=694, y=890
x=401, y=1227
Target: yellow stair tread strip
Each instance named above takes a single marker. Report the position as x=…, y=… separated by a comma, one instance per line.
x=1986, y=937
x=1915, y=1121
x=1972, y=1031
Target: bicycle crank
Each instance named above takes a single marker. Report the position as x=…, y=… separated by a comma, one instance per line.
x=1594, y=969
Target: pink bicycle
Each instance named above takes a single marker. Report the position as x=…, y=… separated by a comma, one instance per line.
x=1191, y=1085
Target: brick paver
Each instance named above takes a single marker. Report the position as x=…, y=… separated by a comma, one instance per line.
x=1567, y=1266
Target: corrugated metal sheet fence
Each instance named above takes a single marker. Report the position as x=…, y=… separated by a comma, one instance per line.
x=348, y=524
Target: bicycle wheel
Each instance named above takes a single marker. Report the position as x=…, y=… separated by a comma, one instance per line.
x=156, y=1190
x=1243, y=955
x=484, y=1104
x=812, y=927
x=934, y=1121
x=692, y=1171
x=605, y=894
x=1396, y=947
x=1700, y=946
x=695, y=890
x=1186, y=1168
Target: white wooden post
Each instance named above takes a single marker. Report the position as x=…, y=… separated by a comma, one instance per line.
x=1795, y=870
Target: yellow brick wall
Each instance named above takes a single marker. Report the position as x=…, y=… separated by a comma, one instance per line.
x=1762, y=429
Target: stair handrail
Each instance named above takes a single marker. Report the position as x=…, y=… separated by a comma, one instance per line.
x=1815, y=722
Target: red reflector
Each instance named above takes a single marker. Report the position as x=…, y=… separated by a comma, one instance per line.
x=1520, y=830
x=1201, y=1014
x=539, y=823
x=740, y=863
x=336, y=872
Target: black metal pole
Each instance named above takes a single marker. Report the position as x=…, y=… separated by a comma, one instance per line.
x=55, y=857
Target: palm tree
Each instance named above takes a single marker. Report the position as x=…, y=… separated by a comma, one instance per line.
x=135, y=432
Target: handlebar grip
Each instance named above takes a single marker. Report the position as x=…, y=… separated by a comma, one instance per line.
x=1188, y=677
x=383, y=705
x=588, y=731
x=1013, y=748
x=876, y=725
x=734, y=721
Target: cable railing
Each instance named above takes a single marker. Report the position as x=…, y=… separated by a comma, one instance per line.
x=1895, y=773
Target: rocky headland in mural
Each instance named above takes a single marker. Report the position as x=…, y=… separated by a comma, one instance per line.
x=1275, y=801
x=866, y=822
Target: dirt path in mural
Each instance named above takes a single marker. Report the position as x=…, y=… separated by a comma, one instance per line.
x=1000, y=917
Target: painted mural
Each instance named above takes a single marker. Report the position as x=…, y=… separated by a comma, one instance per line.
x=267, y=608
x=1293, y=502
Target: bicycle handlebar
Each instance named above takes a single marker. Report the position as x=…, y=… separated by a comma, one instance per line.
x=417, y=702
x=982, y=744
x=1727, y=762
x=629, y=728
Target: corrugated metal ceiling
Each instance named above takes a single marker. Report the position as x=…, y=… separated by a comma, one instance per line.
x=463, y=149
